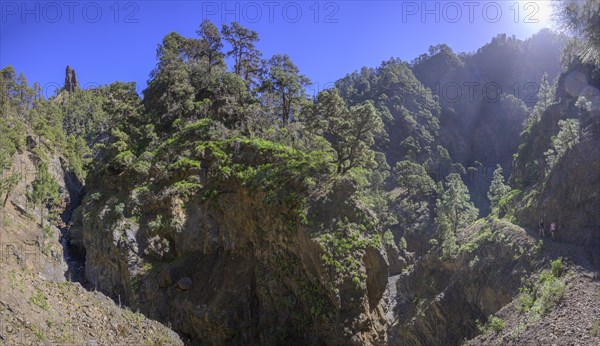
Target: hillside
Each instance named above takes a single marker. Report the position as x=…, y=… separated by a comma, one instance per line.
x=41, y=302
x=224, y=206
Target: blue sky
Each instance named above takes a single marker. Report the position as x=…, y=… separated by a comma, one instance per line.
x=106, y=41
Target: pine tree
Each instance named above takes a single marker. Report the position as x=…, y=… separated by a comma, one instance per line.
x=545, y=99
x=44, y=189
x=247, y=59
x=170, y=94
x=566, y=138
x=454, y=210
x=286, y=85
x=498, y=189
x=413, y=178
x=581, y=18
x=210, y=39
x=350, y=131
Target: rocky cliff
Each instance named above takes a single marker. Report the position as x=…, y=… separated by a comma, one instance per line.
x=557, y=175
x=38, y=301
x=438, y=300
x=235, y=262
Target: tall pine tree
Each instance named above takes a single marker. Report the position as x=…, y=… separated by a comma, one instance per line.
x=44, y=189
x=454, y=211
x=498, y=189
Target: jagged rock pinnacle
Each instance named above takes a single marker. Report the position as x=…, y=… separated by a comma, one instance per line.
x=71, y=83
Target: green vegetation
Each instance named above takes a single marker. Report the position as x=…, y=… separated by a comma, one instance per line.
x=351, y=131
x=40, y=300
x=44, y=189
x=284, y=86
x=567, y=137
x=454, y=211
x=388, y=238
x=557, y=267
x=498, y=189
x=539, y=298
x=343, y=252
x=581, y=19
x=409, y=111
x=494, y=324
x=205, y=134
x=413, y=178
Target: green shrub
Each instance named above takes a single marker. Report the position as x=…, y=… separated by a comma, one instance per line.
x=123, y=160
x=120, y=209
x=402, y=244
x=526, y=300
x=508, y=197
x=342, y=252
x=543, y=295
x=156, y=224
x=388, y=237
x=557, y=267
x=185, y=164
x=496, y=324
x=551, y=293
x=40, y=300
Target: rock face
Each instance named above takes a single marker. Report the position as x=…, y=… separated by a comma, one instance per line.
x=71, y=83
x=238, y=275
x=572, y=320
x=439, y=300
x=37, y=303
x=20, y=225
x=567, y=193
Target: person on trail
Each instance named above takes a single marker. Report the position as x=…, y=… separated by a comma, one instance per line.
x=541, y=228
x=553, y=229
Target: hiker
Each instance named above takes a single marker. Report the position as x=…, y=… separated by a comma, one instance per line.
x=541, y=228
x=553, y=229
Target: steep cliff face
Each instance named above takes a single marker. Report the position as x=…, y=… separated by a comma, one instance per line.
x=438, y=301
x=24, y=242
x=240, y=266
x=38, y=303
x=557, y=170
x=560, y=308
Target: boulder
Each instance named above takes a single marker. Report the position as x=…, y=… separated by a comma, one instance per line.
x=185, y=283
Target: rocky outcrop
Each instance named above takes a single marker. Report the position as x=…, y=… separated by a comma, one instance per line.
x=439, y=300
x=568, y=192
x=235, y=272
x=570, y=316
x=38, y=304
x=24, y=241
x=71, y=83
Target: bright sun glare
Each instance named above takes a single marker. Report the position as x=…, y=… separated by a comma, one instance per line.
x=538, y=12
